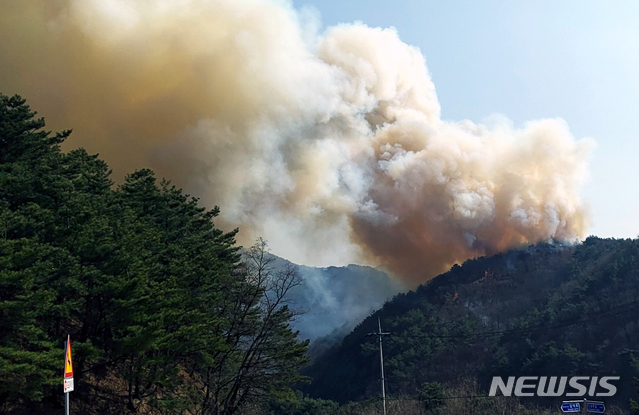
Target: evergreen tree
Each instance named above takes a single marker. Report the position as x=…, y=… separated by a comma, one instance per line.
x=164, y=313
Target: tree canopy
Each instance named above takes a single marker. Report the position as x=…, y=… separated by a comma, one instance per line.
x=543, y=310
x=165, y=312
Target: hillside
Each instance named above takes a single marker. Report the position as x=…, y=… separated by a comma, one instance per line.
x=547, y=310
x=169, y=316
x=166, y=316
x=331, y=301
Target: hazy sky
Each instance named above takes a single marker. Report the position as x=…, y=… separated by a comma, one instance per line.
x=577, y=60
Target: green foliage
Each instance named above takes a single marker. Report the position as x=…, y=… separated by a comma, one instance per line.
x=431, y=394
x=297, y=404
x=544, y=310
x=163, y=311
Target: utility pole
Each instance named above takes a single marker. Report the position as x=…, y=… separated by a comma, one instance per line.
x=380, y=334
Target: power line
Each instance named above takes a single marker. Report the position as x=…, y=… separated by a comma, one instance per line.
x=613, y=311
x=445, y=398
x=584, y=318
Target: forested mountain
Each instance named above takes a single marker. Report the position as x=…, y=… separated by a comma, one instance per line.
x=331, y=301
x=165, y=314
x=169, y=316
x=549, y=309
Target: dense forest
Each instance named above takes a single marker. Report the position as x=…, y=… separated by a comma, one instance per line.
x=546, y=310
x=168, y=315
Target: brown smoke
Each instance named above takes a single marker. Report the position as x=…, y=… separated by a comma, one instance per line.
x=331, y=146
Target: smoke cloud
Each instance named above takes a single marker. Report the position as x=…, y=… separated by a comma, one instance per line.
x=329, y=145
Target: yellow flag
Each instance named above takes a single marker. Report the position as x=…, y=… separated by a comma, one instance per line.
x=68, y=365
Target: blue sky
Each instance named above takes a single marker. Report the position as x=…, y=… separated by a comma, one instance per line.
x=577, y=60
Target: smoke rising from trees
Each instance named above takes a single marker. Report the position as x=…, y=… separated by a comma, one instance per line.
x=329, y=145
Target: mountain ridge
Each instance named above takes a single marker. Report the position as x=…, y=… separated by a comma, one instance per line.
x=512, y=314
x=330, y=301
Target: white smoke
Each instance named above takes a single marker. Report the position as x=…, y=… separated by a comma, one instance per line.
x=330, y=146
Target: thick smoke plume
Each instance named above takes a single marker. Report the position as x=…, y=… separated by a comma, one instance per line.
x=330, y=146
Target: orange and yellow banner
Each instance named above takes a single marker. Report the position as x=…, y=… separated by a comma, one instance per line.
x=68, y=368
x=68, y=365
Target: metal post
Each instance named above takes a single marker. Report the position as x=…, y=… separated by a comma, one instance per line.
x=381, y=362
x=67, y=403
x=381, y=334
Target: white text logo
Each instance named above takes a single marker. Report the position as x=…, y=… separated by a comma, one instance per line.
x=554, y=386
